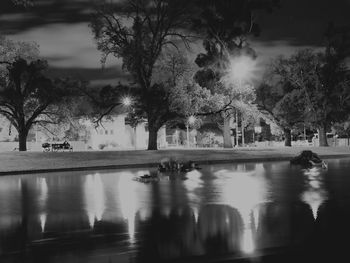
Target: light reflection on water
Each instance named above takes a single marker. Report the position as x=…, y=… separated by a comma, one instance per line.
x=94, y=198
x=127, y=192
x=315, y=193
x=43, y=195
x=237, y=209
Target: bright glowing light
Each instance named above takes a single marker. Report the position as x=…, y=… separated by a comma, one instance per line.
x=196, y=214
x=127, y=190
x=248, y=243
x=312, y=172
x=314, y=194
x=191, y=119
x=242, y=67
x=126, y=101
x=193, y=181
x=314, y=198
x=42, y=219
x=244, y=190
x=43, y=190
x=192, y=184
x=95, y=198
x=241, y=71
x=43, y=196
x=256, y=212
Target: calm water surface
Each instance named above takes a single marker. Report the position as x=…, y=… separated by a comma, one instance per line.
x=255, y=212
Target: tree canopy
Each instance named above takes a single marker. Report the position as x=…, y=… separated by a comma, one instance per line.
x=282, y=104
x=322, y=79
x=29, y=97
x=138, y=31
x=10, y=50
x=308, y=87
x=226, y=25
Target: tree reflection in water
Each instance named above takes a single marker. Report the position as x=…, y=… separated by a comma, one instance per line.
x=284, y=225
x=235, y=210
x=220, y=229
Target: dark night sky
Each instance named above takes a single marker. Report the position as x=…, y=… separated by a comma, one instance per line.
x=60, y=27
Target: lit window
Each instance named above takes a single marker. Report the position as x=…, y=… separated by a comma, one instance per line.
x=101, y=132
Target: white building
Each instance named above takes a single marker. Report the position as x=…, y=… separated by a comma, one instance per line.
x=7, y=132
x=114, y=133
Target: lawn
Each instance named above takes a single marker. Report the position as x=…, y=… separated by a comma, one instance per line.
x=26, y=162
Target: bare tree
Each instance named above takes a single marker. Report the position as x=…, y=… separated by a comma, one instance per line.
x=137, y=31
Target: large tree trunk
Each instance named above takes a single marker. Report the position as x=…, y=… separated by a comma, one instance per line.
x=152, y=136
x=22, y=139
x=227, y=132
x=135, y=137
x=243, y=139
x=322, y=136
x=287, y=137
x=237, y=136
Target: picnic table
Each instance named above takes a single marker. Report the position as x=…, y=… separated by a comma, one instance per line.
x=55, y=147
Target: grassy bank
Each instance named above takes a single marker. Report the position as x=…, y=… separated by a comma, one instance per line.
x=29, y=162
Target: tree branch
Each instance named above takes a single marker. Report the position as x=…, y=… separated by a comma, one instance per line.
x=36, y=113
x=98, y=121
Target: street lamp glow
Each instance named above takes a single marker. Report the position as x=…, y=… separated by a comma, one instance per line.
x=239, y=75
x=126, y=101
x=191, y=119
x=242, y=68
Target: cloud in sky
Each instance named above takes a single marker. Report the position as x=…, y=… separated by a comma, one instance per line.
x=71, y=51
x=267, y=51
x=303, y=21
x=270, y=50
x=16, y=19
x=66, y=45
x=61, y=29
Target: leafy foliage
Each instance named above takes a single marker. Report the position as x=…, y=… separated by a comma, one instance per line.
x=28, y=97
x=226, y=26
x=138, y=31
x=310, y=87
x=11, y=50
x=284, y=106
x=321, y=81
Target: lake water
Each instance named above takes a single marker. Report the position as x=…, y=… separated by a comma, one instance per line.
x=253, y=212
